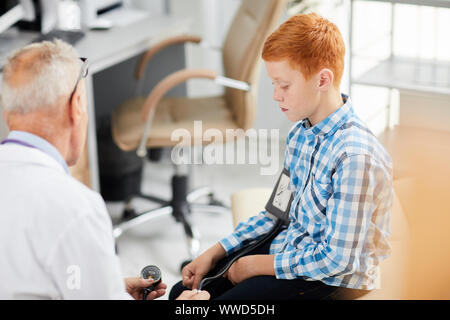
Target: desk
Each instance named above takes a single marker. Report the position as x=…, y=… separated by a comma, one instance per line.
x=108, y=48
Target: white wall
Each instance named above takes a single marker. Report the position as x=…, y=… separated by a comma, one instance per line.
x=419, y=32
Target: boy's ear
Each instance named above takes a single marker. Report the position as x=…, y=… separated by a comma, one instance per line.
x=326, y=79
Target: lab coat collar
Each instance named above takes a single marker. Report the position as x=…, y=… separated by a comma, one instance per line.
x=41, y=144
x=14, y=153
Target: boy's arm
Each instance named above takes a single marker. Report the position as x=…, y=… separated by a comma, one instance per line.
x=252, y=229
x=362, y=195
x=195, y=271
x=251, y=266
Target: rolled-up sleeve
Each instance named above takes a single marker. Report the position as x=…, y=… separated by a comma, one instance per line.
x=252, y=229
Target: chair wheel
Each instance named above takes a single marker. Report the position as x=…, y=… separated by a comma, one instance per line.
x=184, y=263
x=129, y=214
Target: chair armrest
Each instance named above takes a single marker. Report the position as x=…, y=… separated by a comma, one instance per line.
x=181, y=76
x=170, y=82
x=161, y=45
x=206, y=45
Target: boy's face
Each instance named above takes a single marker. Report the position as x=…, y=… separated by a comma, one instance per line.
x=297, y=98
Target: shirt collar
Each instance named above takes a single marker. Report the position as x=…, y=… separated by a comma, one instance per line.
x=331, y=123
x=41, y=144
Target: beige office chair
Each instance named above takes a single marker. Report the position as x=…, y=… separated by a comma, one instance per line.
x=146, y=122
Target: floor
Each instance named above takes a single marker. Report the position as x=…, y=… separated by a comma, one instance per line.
x=161, y=241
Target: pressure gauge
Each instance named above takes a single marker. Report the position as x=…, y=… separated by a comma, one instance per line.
x=151, y=272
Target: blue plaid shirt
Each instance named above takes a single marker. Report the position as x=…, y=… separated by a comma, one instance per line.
x=341, y=178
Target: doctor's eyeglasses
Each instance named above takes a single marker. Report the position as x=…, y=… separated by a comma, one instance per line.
x=83, y=74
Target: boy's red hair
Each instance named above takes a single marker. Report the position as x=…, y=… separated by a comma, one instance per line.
x=309, y=43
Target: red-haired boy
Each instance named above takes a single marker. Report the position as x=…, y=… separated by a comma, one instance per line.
x=340, y=176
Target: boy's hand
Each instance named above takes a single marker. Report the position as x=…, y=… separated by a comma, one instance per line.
x=249, y=267
x=194, y=272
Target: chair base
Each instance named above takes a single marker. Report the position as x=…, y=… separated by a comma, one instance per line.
x=179, y=207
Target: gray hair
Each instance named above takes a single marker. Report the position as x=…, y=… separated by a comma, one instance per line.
x=38, y=75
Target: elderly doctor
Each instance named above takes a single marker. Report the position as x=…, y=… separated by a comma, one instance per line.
x=55, y=234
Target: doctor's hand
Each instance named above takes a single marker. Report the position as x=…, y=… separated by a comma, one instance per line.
x=194, y=295
x=135, y=287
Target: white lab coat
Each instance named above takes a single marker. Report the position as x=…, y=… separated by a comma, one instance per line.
x=55, y=234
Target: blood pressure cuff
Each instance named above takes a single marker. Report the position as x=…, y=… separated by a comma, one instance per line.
x=280, y=201
x=278, y=206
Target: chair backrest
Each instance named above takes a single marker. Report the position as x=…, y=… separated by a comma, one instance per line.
x=252, y=24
